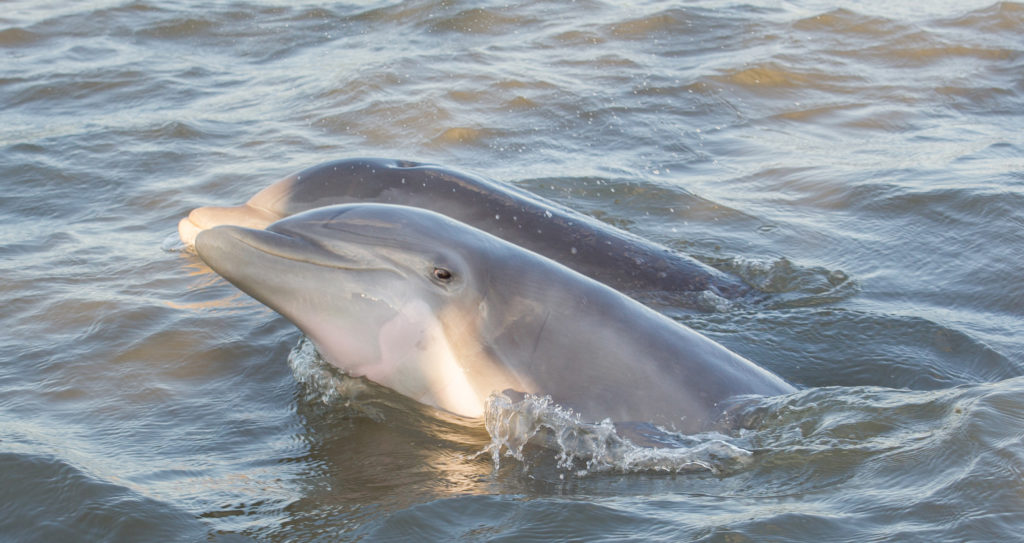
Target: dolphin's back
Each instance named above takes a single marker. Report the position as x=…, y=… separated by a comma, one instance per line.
x=591, y=247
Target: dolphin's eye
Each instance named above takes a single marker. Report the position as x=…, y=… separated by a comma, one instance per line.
x=442, y=275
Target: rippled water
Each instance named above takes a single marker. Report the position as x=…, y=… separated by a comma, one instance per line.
x=860, y=164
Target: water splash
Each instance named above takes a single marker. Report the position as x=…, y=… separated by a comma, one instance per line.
x=586, y=448
x=324, y=384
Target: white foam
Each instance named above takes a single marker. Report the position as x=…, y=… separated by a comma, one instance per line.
x=594, y=448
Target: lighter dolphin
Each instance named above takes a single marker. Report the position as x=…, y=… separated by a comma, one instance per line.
x=447, y=314
x=614, y=257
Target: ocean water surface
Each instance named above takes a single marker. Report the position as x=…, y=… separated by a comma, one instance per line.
x=860, y=164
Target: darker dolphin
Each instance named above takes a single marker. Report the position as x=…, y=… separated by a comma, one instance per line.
x=614, y=257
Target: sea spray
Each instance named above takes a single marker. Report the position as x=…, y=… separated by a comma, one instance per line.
x=586, y=448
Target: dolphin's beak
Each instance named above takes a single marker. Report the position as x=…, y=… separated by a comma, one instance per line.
x=287, y=273
x=220, y=240
x=234, y=242
x=300, y=279
x=205, y=218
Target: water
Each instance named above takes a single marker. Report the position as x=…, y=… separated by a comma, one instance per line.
x=860, y=163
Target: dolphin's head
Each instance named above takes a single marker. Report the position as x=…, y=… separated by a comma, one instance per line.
x=336, y=182
x=387, y=292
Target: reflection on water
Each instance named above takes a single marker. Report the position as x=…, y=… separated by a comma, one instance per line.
x=859, y=164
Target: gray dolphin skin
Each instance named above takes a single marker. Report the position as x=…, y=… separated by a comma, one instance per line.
x=614, y=257
x=446, y=314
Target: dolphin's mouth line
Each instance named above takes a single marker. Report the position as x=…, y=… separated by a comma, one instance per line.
x=298, y=255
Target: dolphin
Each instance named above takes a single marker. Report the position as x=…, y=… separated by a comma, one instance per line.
x=446, y=314
x=617, y=258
